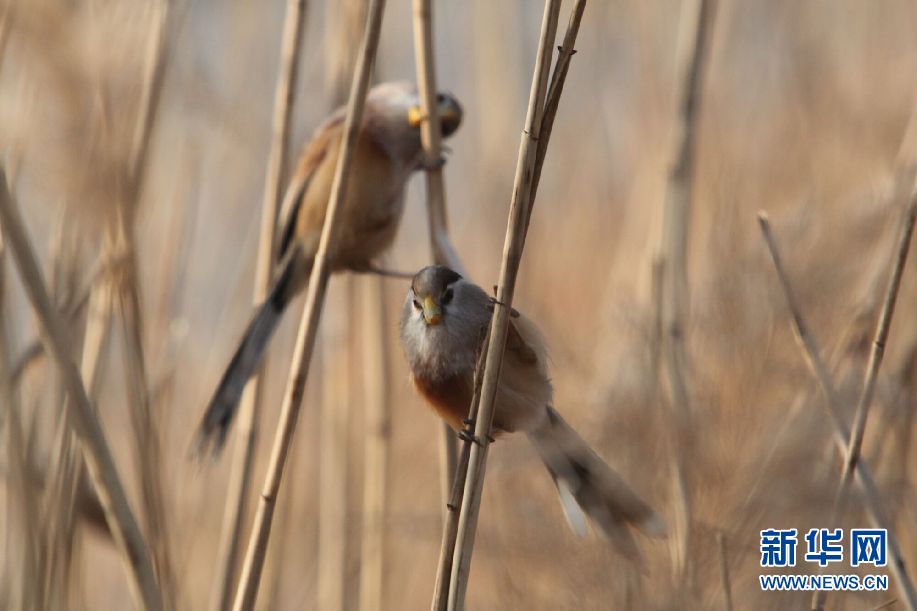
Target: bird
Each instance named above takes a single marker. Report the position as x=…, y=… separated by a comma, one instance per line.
x=387, y=152
x=443, y=326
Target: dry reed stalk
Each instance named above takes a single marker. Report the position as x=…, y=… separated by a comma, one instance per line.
x=336, y=350
x=305, y=340
x=858, y=430
x=566, y=51
x=334, y=460
x=440, y=245
x=97, y=454
x=878, y=348
x=247, y=434
x=520, y=211
x=674, y=295
x=868, y=488
x=454, y=503
x=377, y=425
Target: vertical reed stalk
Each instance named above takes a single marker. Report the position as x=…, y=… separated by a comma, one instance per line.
x=512, y=255
x=674, y=284
x=305, y=341
x=247, y=435
x=440, y=244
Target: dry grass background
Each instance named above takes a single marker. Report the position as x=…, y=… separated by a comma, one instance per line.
x=810, y=112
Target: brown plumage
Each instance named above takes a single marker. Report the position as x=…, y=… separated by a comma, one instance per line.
x=443, y=325
x=388, y=151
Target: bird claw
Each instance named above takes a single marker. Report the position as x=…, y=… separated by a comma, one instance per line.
x=467, y=433
x=513, y=312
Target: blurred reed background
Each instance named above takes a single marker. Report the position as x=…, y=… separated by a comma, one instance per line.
x=808, y=112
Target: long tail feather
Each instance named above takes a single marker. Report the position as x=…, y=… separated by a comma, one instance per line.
x=588, y=486
x=211, y=434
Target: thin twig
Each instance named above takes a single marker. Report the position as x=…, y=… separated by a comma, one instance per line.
x=305, y=341
x=440, y=244
x=520, y=211
x=99, y=460
x=855, y=439
x=246, y=438
x=869, y=490
x=878, y=348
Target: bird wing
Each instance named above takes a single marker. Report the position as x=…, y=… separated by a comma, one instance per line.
x=518, y=348
x=316, y=151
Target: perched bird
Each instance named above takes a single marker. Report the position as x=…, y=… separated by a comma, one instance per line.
x=388, y=151
x=443, y=324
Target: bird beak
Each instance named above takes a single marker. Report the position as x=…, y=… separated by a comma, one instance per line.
x=450, y=115
x=415, y=116
x=431, y=311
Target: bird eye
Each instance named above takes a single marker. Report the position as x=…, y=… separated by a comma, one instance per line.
x=447, y=297
x=440, y=98
x=416, y=305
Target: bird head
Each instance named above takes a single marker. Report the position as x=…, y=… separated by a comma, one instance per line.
x=449, y=110
x=432, y=291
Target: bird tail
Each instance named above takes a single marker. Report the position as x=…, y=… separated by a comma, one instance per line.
x=589, y=487
x=212, y=431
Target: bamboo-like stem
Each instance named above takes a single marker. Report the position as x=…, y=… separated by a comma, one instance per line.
x=674, y=295
x=247, y=433
x=869, y=490
x=437, y=219
x=512, y=255
x=377, y=401
x=566, y=51
x=99, y=460
x=454, y=503
x=305, y=341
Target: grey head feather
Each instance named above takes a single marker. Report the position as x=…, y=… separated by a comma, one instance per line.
x=436, y=352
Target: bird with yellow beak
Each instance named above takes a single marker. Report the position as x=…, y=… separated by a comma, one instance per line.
x=443, y=325
x=388, y=151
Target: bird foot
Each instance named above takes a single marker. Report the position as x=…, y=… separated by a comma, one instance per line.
x=467, y=433
x=513, y=312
